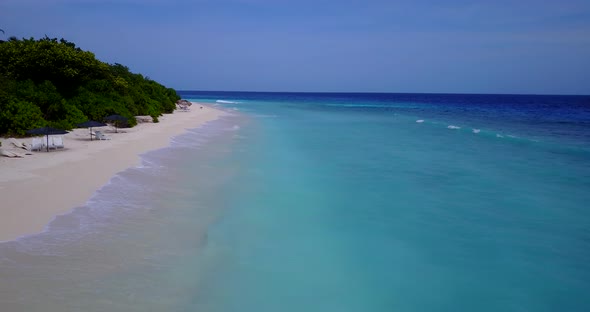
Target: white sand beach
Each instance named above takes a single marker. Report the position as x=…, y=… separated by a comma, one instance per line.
x=36, y=188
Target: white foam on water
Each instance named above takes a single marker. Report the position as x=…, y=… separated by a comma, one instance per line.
x=420, y=120
x=234, y=128
x=358, y=105
x=227, y=102
x=453, y=127
x=476, y=131
x=499, y=135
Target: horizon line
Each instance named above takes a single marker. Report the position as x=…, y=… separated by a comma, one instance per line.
x=379, y=92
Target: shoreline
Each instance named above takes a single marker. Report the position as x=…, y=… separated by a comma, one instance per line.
x=37, y=188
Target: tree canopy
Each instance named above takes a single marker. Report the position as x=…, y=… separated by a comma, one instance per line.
x=53, y=82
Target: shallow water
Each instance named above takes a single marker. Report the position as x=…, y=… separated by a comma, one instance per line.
x=314, y=202
x=351, y=205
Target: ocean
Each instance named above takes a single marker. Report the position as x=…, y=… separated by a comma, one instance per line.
x=332, y=202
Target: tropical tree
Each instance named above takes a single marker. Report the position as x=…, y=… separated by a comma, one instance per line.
x=54, y=82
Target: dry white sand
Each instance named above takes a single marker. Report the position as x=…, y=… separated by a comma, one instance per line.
x=36, y=188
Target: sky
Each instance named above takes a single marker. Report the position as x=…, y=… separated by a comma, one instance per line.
x=429, y=46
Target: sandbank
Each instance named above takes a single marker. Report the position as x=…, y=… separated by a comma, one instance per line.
x=36, y=188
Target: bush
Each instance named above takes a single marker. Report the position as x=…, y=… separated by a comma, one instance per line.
x=16, y=117
x=50, y=81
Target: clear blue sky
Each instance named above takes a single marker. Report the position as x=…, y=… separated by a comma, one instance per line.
x=454, y=46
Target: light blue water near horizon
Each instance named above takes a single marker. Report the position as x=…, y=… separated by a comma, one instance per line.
x=321, y=202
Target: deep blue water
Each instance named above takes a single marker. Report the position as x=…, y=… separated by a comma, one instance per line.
x=537, y=116
x=344, y=202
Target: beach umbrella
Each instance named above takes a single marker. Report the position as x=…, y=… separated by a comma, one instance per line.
x=115, y=119
x=184, y=103
x=91, y=124
x=46, y=131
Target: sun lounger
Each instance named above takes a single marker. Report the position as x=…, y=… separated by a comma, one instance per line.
x=18, y=144
x=10, y=154
x=37, y=144
x=58, y=141
x=50, y=142
x=100, y=136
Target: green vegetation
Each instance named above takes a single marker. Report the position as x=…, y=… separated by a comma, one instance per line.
x=52, y=82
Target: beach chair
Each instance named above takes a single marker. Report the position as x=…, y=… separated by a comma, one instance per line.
x=37, y=144
x=10, y=154
x=100, y=136
x=18, y=144
x=58, y=142
x=51, y=145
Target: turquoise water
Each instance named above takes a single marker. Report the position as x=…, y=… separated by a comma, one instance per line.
x=338, y=202
x=366, y=210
